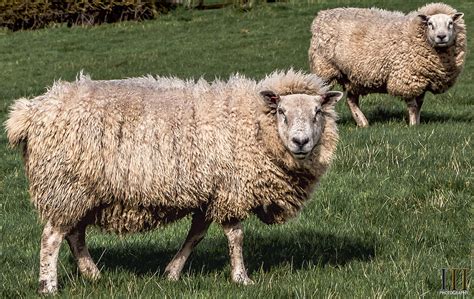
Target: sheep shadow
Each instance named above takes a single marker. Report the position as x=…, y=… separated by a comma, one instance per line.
x=299, y=250
x=377, y=115
x=384, y=115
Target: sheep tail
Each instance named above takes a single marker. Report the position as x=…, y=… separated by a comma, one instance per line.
x=18, y=122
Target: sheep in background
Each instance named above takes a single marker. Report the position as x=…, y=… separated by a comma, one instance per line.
x=373, y=50
x=132, y=155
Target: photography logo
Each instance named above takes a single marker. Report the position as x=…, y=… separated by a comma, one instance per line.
x=454, y=281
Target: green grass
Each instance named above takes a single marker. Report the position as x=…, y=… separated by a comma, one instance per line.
x=394, y=209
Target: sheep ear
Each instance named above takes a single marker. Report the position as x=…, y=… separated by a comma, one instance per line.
x=457, y=16
x=331, y=98
x=424, y=18
x=270, y=98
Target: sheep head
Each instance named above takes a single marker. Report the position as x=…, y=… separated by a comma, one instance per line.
x=300, y=118
x=440, y=28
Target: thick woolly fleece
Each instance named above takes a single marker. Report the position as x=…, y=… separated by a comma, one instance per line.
x=374, y=50
x=130, y=155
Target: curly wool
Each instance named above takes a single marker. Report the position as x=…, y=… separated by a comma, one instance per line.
x=373, y=50
x=131, y=155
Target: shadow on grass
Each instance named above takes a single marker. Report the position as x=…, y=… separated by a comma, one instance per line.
x=299, y=249
x=377, y=115
x=383, y=115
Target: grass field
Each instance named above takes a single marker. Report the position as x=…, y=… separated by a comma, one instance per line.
x=394, y=209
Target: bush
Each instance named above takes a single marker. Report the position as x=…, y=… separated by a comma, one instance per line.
x=34, y=14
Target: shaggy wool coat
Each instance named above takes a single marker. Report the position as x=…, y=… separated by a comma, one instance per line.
x=131, y=155
x=374, y=50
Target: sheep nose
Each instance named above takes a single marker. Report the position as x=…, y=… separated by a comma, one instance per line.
x=441, y=36
x=300, y=141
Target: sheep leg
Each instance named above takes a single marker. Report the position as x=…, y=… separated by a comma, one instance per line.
x=50, y=245
x=196, y=233
x=235, y=237
x=359, y=117
x=77, y=243
x=414, y=110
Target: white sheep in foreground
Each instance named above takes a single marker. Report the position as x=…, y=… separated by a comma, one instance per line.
x=132, y=155
x=378, y=51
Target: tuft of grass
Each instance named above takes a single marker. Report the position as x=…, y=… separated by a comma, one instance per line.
x=394, y=209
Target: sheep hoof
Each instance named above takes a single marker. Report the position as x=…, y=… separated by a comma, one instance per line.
x=362, y=123
x=47, y=289
x=171, y=275
x=244, y=280
x=93, y=276
x=248, y=281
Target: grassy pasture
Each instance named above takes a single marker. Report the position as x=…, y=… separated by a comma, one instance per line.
x=395, y=208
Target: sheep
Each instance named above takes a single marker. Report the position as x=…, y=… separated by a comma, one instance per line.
x=378, y=51
x=135, y=154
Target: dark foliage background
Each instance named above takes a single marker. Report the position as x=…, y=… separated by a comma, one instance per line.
x=34, y=14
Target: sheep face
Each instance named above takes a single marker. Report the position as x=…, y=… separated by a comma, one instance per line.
x=440, y=29
x=300, y=119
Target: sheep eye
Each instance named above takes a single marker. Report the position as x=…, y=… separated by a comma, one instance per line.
x=280, y=111
x=430, y=25
x=318, y=112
